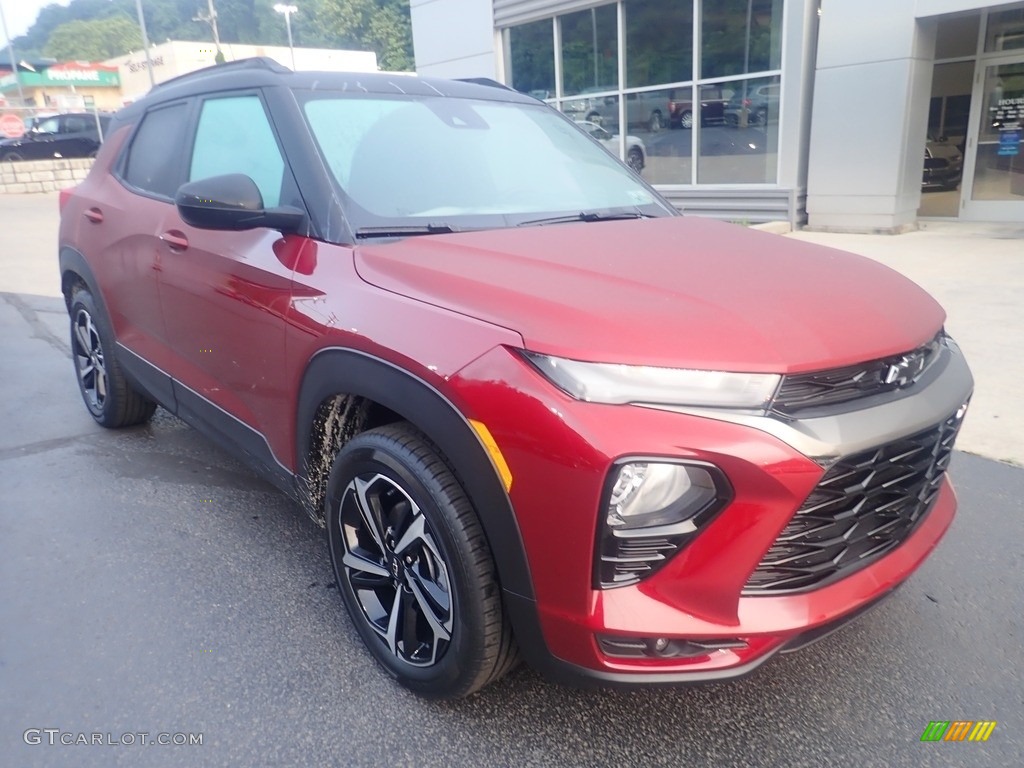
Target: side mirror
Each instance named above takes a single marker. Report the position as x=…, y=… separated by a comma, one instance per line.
x=232, y=202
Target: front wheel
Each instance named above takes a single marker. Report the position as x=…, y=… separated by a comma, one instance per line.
x=635, y=159
x=413, y=566
x=686, y=119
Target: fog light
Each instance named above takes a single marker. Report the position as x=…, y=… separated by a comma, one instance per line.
x=664, y=647
x=647, y=495
x=651, y=510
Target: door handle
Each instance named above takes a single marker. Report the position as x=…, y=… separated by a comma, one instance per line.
x=175, y=240
x=95, y=215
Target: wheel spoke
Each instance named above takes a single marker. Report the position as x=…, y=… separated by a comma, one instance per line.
x=437, y=623
x=415, y=532
x=84, y=368
x=392, y=633
x=410, y=642
x=369, y=511
x=101, y=383
x=83, y=338
x=364, y=566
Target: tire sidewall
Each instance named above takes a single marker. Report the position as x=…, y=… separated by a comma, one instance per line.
x=371, y=454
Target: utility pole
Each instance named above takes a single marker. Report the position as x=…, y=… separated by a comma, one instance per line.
x=145, y=42
x=210, y=17
x=288, y=10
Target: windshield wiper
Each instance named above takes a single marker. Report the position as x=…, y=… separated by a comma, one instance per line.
x=409, y=231
x=586, y=216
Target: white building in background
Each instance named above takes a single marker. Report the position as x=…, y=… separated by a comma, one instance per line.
x=176, y=57
x=806, y=110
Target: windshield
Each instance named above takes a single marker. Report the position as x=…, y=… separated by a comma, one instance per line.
x=446, y=164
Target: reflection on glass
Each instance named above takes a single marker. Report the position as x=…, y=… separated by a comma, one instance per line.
x=1005, y=31
x=659, y=42
x=740, y=36
x=957, y=36
x=999, y=165
x=744, y=148
x=590, y=51
x=532, y=59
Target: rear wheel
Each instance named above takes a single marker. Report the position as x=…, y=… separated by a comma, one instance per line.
x=686, y=119
x=413, y=565
x=111, y=400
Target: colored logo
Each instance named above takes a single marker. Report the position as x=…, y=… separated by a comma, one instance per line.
x=958, y=730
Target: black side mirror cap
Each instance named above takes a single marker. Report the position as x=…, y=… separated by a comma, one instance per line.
x=232, y=202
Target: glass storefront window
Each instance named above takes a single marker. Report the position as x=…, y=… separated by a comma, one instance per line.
x=740, y=37
x=659, y=42
x=999, y=167
x=532, y=59
x=957, y=36
x=1005, y=31
x=743, y=149
x=590, y=50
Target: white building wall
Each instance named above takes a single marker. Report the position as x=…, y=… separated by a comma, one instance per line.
x=869, y=115
x=454, y=38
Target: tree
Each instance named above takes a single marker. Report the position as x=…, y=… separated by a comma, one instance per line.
x=93, y=40
x=383, y=26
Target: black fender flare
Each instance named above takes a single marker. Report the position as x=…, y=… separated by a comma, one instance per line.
x=335, y=371
x=72, y=261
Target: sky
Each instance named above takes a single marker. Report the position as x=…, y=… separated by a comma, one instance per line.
x=21, y=14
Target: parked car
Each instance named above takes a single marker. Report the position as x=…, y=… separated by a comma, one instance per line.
x=538, y=411
x=712, y=106
x=75, y=134
x=636, y=152
x=943, y=164
x=647, y=110
x=758, y=105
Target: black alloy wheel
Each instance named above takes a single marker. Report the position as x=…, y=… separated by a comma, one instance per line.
x=413, y=565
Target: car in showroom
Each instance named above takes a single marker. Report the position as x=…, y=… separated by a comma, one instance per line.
x=943, y=164
x=713, y=99
x=540, y=414
x=636, y=152
x=73, y=134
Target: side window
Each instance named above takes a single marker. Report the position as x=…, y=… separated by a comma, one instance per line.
x=152, y=163
x=234, y=136
x=49, y=125
x=75, y=124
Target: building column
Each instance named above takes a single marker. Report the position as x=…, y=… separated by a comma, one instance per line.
x=454, y=38
x=870, y=116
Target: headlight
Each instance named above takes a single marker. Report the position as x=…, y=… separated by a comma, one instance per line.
x=620, y=384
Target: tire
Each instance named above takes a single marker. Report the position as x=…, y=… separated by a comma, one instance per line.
x=108, y=396
x=655, y=123
x=413, y=565
x=635, y=159
x=761, y=117
x=686, y=119
x=11, y=157
x=594, y=118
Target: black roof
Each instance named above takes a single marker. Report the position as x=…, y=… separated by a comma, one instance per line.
x=262, y=72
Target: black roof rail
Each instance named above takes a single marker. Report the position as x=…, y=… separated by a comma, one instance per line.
x=255, y=62
x=490, y=82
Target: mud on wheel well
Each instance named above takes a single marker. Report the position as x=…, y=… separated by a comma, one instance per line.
x=337, y=420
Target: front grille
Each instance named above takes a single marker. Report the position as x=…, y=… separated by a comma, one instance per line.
x=865, y=505
x=803, y=391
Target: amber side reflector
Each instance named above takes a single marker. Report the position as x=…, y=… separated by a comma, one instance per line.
x=492, y=448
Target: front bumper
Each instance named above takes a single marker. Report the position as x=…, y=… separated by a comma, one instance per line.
x=699, y=594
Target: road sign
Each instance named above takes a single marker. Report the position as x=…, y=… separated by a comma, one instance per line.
x=11, y=126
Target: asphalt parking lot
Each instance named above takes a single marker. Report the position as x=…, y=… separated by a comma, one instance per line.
x=150, y=584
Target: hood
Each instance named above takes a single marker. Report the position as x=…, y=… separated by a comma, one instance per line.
x=677, y=292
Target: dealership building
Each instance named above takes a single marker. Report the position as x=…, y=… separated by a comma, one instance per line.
x=841, y=115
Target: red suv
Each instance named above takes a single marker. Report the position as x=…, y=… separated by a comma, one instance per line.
x=538, y=412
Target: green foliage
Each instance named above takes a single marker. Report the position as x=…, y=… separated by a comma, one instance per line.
x=93, y=40
x=378, y=25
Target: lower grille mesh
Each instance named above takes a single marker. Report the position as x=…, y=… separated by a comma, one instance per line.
x=865, y=506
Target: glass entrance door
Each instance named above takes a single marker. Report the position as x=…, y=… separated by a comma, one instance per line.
x=997, y=176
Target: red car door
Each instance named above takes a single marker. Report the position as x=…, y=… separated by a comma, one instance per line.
x=225, y=295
